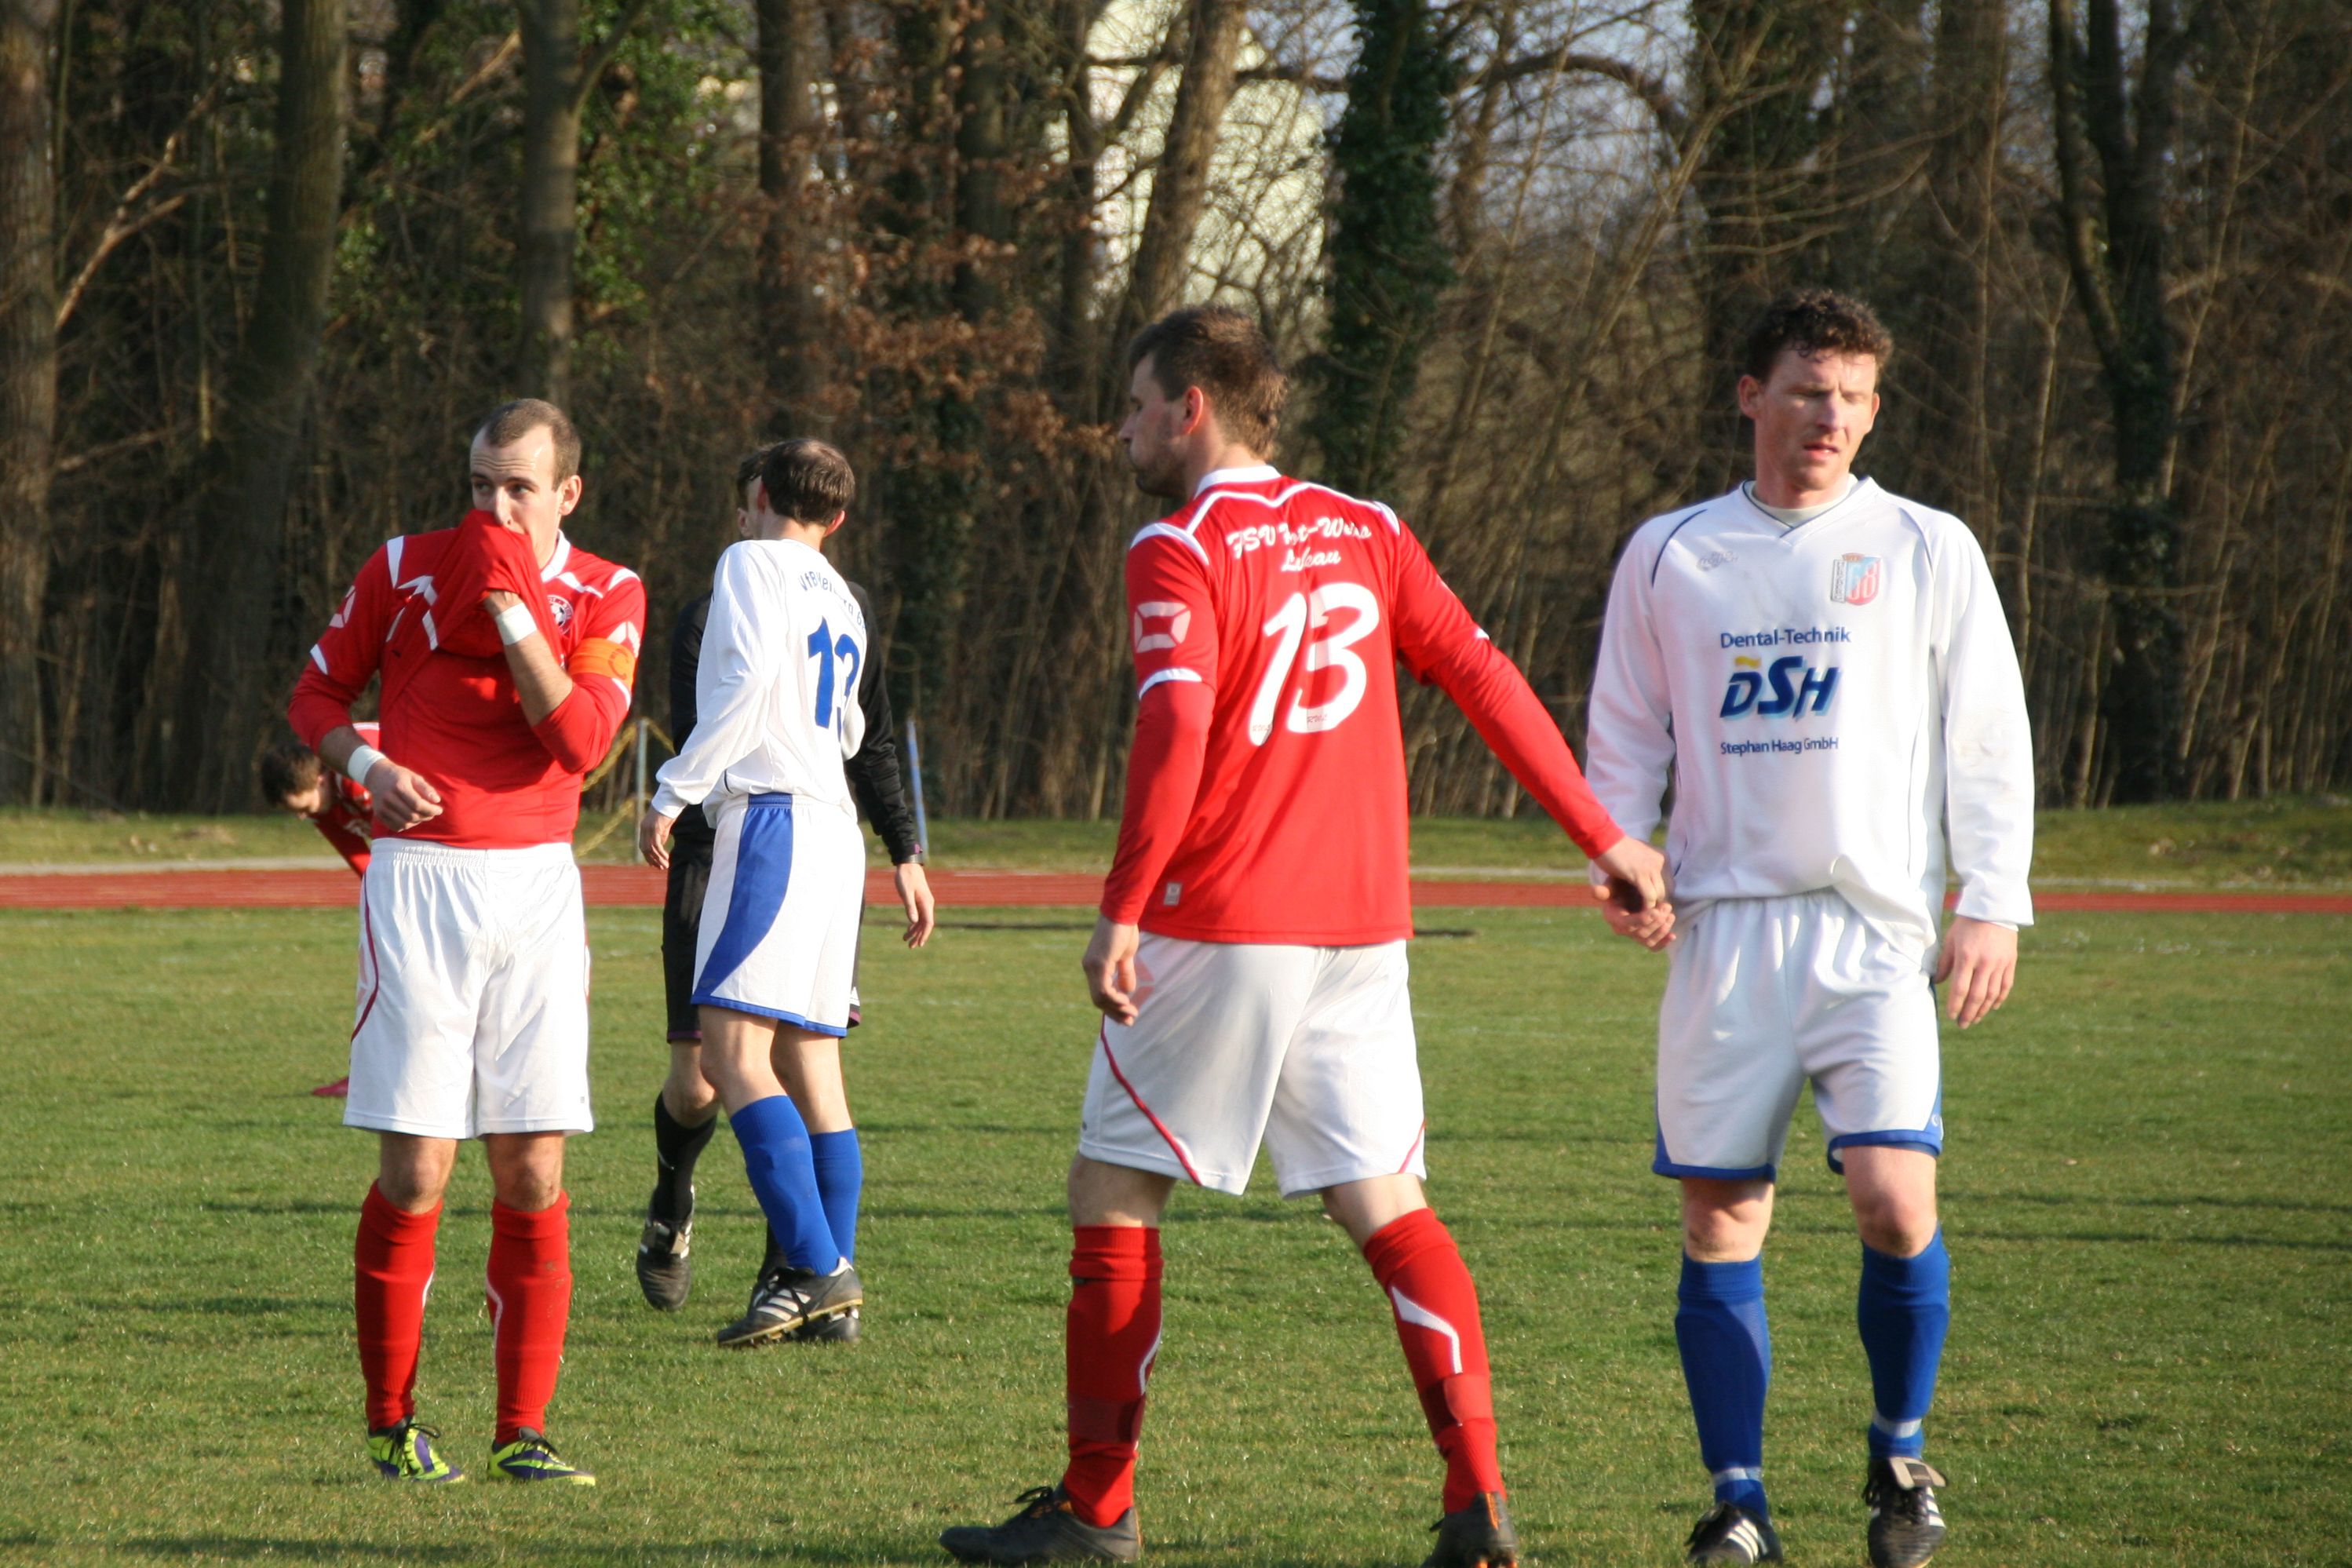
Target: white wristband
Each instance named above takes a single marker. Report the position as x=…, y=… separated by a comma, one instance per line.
x=363, y=758
x=514, y=623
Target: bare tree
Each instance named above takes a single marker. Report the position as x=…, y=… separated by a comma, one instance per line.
x=28, y=378
x=233, y=571
x=557, y=81
x=2115, y=143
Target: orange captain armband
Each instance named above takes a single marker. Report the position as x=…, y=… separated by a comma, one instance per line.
x=602, y=655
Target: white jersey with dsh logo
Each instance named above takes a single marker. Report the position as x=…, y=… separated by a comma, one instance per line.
x=1833, y=700
x=776, y=692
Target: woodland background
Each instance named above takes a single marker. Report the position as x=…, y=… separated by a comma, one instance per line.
x=264, y=262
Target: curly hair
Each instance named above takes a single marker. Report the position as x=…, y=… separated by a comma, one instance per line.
x=1814, y=321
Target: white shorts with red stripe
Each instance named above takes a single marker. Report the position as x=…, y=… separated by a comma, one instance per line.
x=473, y=1000
x=1306, y=1050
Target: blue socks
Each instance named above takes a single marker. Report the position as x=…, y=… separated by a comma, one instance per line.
x=1903, y=1309
x=776, y=1155
x=840, y=1182
x=1726, y=1365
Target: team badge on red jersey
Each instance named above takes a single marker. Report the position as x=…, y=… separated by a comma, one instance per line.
x=1853, y=579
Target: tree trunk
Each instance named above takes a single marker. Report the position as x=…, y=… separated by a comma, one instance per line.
x=789, y=311
x=232, y=684
x=28, y=379
x=1387, y=253
x=551, y=191
x=981, y=220
x=2121, y=133
x=1180, y=182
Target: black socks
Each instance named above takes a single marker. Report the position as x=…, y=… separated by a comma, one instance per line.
x=676, y=1148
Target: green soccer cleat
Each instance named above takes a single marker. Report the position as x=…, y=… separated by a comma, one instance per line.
x=532, y=1457
x=408, y=1453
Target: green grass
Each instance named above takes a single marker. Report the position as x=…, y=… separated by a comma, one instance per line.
x=2303, y=843
x=2145, y=1194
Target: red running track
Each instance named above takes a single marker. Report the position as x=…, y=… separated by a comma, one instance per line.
x=621, y=886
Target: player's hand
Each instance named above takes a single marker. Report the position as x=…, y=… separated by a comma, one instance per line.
x=652, y=838
x=1977, y=967
x=1621, y=906
x=1110, y=964
x=915, y=892
x=498, y=600
x=400, y=799
x=1641, y=867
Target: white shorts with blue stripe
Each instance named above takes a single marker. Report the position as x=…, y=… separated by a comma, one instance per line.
x=1767, y=995
x=779, y=933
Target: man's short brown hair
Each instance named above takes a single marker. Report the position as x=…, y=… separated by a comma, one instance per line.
x=510, y=422
x=752, y=466
x=807, y=480
x=1225, y=354
x=288, y=770
x=1814, y=321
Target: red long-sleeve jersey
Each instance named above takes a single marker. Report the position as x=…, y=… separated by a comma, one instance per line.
x=504, y=781
x=1266, y=796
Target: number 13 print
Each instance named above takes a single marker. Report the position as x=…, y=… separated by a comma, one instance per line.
x=1301, y=615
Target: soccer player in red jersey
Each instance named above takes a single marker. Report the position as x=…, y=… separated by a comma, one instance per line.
x=505, y=654
x=1249, y=962
x=342, y=812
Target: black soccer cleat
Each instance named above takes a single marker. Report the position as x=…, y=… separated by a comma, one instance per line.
x=1479, y=1536
x=1046, y=1530
x=1731, y=1534
x=1905, y=1526
x=787, y=1299
x=841, y=1328
x=665, y=1261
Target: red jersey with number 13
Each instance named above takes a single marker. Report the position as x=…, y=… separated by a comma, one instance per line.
x=1267, y=790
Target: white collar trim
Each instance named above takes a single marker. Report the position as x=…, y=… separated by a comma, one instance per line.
x=1254, y=474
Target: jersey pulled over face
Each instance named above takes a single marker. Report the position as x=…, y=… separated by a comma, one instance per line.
x=459, y=721
x=1829, y=698
x=775, y=689
x=1292, y=605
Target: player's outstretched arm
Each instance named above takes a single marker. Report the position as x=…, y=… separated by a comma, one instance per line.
x=1977, y=967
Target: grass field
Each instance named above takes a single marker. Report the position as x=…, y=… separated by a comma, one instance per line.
x=2146, y=1201
x=2244, y=844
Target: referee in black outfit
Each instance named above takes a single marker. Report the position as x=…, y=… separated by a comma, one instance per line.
x=686, y=1112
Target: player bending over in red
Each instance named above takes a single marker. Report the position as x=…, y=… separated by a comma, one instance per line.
x=292, y=780
x=1250, y=960
x=505, y=654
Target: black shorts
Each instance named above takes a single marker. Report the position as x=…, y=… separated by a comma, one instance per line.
x=689, y=879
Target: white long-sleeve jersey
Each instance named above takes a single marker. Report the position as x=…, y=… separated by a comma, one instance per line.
x=775, y=695
x=1831, y=699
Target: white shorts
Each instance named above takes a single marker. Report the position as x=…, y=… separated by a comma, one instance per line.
x=1766, y=993
x=473, y=1003
x=779, y=933
x=1308, y=1050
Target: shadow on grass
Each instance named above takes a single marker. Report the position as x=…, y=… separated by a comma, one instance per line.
x=2150, y=1201
x=264, y=1549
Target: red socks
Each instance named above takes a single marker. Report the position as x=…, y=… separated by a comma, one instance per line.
x=1113, y=1335
x=1436, y=1306
x=530, y=1302
x=391, y=1265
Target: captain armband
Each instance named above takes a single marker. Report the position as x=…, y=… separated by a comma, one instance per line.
x=602, y=655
